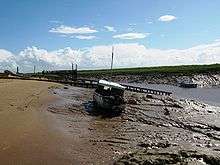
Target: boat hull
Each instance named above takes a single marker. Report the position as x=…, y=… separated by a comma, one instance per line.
x=107, y=102
x=183, y=85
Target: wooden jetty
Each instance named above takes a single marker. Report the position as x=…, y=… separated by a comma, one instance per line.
x=146, y=90
x=89, y=83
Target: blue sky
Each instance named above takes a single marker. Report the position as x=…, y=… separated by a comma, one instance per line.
x=27, y=22
x=56, y=24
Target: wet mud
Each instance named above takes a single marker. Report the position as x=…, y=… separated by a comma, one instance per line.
x=150, y=130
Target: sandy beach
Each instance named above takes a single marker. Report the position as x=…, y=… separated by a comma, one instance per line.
x=28, y=133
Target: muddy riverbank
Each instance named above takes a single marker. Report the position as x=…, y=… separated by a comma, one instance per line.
x=60, y=127
x=203, y=80
x=152, y=129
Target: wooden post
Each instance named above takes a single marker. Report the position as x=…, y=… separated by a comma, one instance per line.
x=34, y=69
x=72, y=72
x=76, y=71
x=112, y=60
x=17, y=70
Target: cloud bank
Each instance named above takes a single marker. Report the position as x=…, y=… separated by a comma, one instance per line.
x=96, y=57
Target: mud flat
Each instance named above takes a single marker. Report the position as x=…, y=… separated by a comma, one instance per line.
x=151, y=130
x=59, y=127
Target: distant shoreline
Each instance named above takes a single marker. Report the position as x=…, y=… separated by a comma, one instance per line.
x=169, y=70
x=202, y=75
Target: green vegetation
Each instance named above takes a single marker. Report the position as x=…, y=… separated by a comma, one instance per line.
x=183, y=70
x=172, y=70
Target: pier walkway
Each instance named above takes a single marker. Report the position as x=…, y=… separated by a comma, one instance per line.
x=89, y=83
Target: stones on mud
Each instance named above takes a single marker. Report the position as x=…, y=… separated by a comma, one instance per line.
x=169, y=98
x=90, y=129
x=167, y=112
x=200, y=145
x=153, y=145
x=65, y=87
x=132, y=101
x=177, y=105
x=171, y=102
x=209, y=145
x=211, y=160
x=209, y=135
x=149, y=96
x=161, y=157
x=133, y=98
x=210, y=111
x=166, y=125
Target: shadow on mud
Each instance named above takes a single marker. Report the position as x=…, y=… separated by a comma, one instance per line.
x=93, y=110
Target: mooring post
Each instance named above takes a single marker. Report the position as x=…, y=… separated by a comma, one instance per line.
x=112, y=61
x=17, y=70
x=76, y=72
x=34, y=69
x=72, y=72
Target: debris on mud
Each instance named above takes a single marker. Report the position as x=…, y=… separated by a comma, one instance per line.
x=151, y=129
x=167, y=157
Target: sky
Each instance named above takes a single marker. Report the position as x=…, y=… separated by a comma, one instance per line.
x=52, y=34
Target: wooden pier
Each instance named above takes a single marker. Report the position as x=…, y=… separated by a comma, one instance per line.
x=88, y=83
x=146, y=90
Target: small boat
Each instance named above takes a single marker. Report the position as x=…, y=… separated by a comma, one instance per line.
x=109, y=96
x=188, y=83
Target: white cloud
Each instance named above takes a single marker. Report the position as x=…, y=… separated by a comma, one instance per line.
x=7, y=60
x=110, y=28
x=58, y=57
x=167, y=18
x=62, y=29
x=131, y=36
x=82, y=37
x=126, y=55
x=5, y=55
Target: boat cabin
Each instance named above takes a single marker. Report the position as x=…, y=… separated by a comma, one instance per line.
x=107, y=88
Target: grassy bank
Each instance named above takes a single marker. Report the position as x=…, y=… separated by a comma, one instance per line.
x=183, y=70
